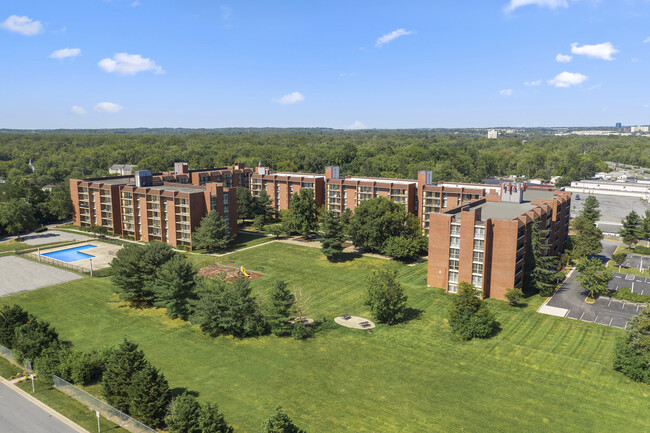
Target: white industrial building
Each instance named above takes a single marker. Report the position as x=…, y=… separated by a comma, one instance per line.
x=605, y=187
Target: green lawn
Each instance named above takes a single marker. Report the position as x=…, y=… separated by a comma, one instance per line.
x=13, y=245
x=7, y=369
x=539, y=374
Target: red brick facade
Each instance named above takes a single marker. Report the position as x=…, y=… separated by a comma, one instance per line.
x=490, y=252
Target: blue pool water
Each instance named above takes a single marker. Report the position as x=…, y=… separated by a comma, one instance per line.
x=71, y=254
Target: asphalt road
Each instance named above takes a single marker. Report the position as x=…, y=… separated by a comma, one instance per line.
x=19, y=415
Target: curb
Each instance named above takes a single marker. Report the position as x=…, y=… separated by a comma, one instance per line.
x=43, y=406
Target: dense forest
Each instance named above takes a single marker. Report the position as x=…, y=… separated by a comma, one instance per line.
x=60, y=155
x=462, y=157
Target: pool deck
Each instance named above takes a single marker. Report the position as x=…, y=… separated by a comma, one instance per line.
x=103, y=254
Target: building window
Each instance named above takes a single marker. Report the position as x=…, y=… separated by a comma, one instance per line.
x=454, y=242
x=453, y=265
x=479, y=232
x=444, y=200
x=455, y=229
x=478, y=257
x=453, y=276
x=454, y=253
x=452, y=288
x=479, y=244
x=477, y=268
x=477, y=281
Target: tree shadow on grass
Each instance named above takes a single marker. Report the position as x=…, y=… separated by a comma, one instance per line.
x=411, y=314
x=176, y=392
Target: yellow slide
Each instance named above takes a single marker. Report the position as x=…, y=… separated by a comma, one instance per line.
x=243, y=271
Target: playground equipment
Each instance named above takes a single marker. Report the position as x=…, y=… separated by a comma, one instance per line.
x=230, y=273
x=244, y=272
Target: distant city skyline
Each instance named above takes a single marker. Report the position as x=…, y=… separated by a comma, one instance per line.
x=355, y=65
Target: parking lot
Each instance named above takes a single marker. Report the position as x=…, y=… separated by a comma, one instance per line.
x=612, y=208
x=569, y=301
x=638, y=285
x=637, y=262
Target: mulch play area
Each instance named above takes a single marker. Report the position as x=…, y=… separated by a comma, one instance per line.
x=229, y=273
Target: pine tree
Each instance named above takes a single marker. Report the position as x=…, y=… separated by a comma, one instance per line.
x=183, y=416
x=125, y=361
x=332, y=235
x=645, y=226
x=245, y=204
x=174, y=287
x=590, y=209
x=279, y=422
x=149, y=396
x=212, y=421
x=279, y=308
x=631, y=227
x=587, y=239
x=540, y=269
x=11, y=317
x=212, y=234
x=263, y=205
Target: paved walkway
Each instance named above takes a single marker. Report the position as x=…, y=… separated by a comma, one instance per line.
x=354, y=322
x=22, y=413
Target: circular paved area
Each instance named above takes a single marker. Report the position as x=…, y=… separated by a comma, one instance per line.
x=354, y=322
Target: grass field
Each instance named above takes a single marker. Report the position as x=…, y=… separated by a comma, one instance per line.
x=7, y=369
x=13, y=245
x=539, y=374
x=244, y=240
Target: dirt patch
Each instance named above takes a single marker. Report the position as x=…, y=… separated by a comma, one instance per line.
x=229, y=273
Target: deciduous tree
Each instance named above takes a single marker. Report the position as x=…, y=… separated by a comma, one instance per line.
x=594, y=276
x=469, y=316
x=385, y=296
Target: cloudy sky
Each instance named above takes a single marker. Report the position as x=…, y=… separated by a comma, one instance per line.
x=340, y=64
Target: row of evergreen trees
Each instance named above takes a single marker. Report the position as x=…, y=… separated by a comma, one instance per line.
x=155, y=275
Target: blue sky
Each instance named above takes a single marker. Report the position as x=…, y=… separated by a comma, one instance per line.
x=340, y=64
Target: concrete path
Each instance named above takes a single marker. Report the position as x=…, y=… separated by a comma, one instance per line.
x=52, y=236
x=22, y=413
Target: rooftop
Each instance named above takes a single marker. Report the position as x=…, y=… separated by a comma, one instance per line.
x=381, y=179
x=508, y=211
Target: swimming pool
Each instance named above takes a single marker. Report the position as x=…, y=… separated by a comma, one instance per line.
x=70, y=254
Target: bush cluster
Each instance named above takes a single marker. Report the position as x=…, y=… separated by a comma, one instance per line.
x=470, y=316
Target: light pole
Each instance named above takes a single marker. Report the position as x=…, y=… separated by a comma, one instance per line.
x=91, y=267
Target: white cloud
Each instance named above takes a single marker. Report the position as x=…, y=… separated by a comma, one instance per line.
x=291, y=98
x=505, y=92
x=392, y=35
x=77, y=110
x=600, y=51
x=23, y=25
x=563, y=58
x=356, y=125
x=129, y=64
x=567, y=79
x=533, y=83
x=107, y=107
x=646, y=40
x=553, y=4
x=135, y=4
x=65, y=52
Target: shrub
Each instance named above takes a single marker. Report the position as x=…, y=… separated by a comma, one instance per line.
x=40, y=230
x=385, y=296
x=258, y=223
x=514, y=296
x=469, y=316
x=32, y=339
x=405, y=248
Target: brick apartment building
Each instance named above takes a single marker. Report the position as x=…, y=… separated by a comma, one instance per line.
x=484, y=242
x=280, y=187
x=166, y=207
